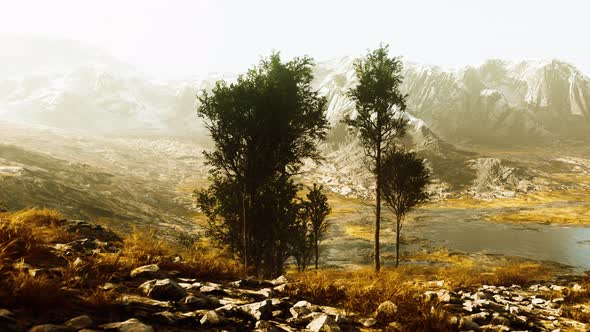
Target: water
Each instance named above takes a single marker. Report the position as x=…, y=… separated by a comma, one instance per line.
x=464, y=230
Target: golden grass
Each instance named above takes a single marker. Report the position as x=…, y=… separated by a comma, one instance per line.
x=562, y=215
x=363, y=290
x=519, y=201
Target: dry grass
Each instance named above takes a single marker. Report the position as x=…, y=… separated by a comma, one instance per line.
x=562, y=215
x=363, y=290
x=25, y=238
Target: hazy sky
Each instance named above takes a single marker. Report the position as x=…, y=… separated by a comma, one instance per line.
x=195, y=37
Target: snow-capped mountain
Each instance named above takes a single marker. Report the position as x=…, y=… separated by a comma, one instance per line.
x=497, y=102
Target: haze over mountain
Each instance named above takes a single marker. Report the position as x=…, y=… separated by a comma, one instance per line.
x=499, y=102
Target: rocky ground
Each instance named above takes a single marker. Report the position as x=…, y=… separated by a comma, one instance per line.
x=151, y=298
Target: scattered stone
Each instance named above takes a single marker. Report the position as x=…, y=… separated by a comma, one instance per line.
x=146, y=271
x=214, y=289
x=386, y=312
x=264, y=326
x=279, y=281
x=210, y=318
x=80, y=322
x=130, y=325
x=52, y=328
x=259, y=310
x=368, y=322
x=7, y=321
x=300, y=308
x=164, y=289
x=201, y=302
x=323, y=323
x=467, y=324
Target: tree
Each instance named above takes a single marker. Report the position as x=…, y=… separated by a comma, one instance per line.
x=379, y=119
x=404, y=186
x=263, y=126
x=317, y=209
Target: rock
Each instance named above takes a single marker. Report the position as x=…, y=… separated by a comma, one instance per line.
x=368, y=322
x=164, y=289
x=386, y=312
x=558, y=300
x=7, y=321
x=300, y=308
x=259, y=310
x=214, y=289
x=576, y=288
x=537, y=301
x=467, y=324
x=80, y=322
x=323, y=323
x=52, y=328
x=143, y=303
x=90, y=230
x=557, y=288
x=146, y=271
x=130, y=325
x=201, y=302
x=437, y=283
x=279, y=281
x=480, y=318
x=264, y=326
x=265, y=292
x=210, y=318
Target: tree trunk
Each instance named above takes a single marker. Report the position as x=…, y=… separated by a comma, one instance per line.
x=245, y=234
x=317, y=253
x=378, y=208
x=397, y=231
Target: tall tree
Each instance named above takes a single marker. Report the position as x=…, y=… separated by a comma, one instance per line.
x=317, y=209
x=404, y=186
x=379, y=116
x=263, y=126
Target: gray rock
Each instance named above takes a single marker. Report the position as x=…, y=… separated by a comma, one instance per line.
x=386, y=312
x=211, y=288
x=259, y=310
x=323, y=323
x=146, y=271
x=80, y=322
x=130, y=325
x=164, y=289
x=300, y=309
x=201, y=302
x=210, y=318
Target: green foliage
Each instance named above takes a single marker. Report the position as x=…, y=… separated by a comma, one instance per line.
x=405, y=178
x=263, y=126
x=379, y=121
x=317, y=209
x=379, y=102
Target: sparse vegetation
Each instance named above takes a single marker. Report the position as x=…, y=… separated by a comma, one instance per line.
x=379, y=122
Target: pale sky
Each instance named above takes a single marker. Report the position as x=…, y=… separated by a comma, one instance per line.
x=179, y=38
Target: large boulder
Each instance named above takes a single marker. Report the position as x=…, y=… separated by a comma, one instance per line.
x=164, y=289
